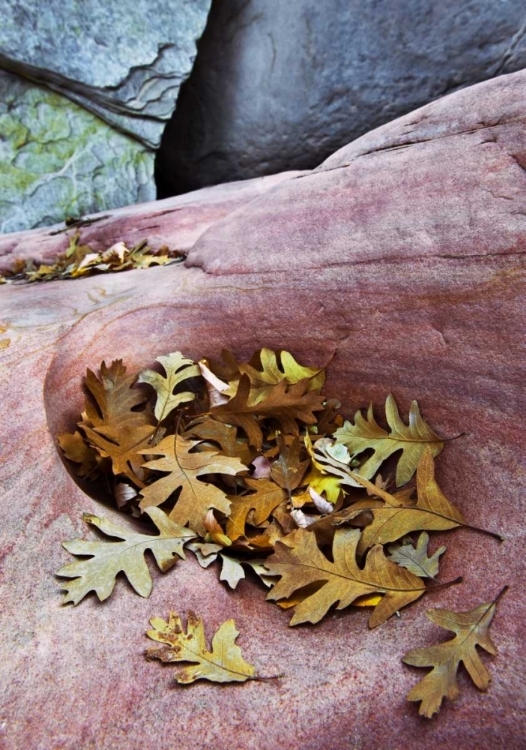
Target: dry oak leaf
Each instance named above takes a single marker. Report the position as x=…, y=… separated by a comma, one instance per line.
x=123, y=445
x=326, y=474
x=76, y=449
x=223, y=663
x=108, y=559
x=274, y=372
x=412, y=440
x=266, y=496
x=300, y=563
x=184, y=468
x=177, y=368
x=287, y=404
x=114, y=399
x=416, y=558
x=471, y=630
x=398, y=515
x=209, y=430
x=288, y=469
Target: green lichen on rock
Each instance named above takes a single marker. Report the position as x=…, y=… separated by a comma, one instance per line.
x=57, y=160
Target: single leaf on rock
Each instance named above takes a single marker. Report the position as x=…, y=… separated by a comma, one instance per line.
x=287, y=404
x=223, y=663
x=184, y=468
x=266, y=496
x=412, y=439
x=300, y=563
x=472, y=630
x=108, y=559
x=177, y=368
x=400, y=516
x=416, y=559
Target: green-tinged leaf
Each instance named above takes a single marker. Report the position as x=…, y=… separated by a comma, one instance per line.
x=223, y=663
x=413, y=439
x=416, y=559
x=107, y=559
x=177, y=368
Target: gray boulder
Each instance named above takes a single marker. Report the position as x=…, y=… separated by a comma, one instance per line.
x=123, y=64
x=280, y=86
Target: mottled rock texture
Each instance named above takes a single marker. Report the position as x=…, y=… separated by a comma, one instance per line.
x=282, y=85
x=56, y=157
x=402, y=257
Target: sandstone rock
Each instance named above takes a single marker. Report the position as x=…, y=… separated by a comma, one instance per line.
x=60, y=159
x=282, y=86
x=403, y=258
x=177, y=222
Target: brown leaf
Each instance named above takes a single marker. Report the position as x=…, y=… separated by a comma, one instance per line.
x=265, y=497
x=472, y=630
x=114, y=402
x=287, y=406
x=300, y=563
x=123, y=445
x=223, y=663
x=288, y=469
x=184, y=468
x=76, y=449
x=399, y=516
x=224, y=435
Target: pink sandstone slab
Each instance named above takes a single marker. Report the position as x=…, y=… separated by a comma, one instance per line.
x=402, y=258
x=177, y=222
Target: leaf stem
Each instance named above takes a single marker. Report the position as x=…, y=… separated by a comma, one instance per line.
x=494, y=534
x=445, y=584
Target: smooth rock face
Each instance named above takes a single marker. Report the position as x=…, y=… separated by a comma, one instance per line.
x=59, y=159
x=280, y=86
x=402, y=259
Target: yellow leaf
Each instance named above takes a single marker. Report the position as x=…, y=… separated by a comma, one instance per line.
x=223, y=663
x=472, y=630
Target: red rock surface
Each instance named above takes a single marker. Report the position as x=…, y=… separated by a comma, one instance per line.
x=178, y=222
x=403, y=258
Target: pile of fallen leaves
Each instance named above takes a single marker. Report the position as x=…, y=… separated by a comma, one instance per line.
x=250, y=465
x=81, y=260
